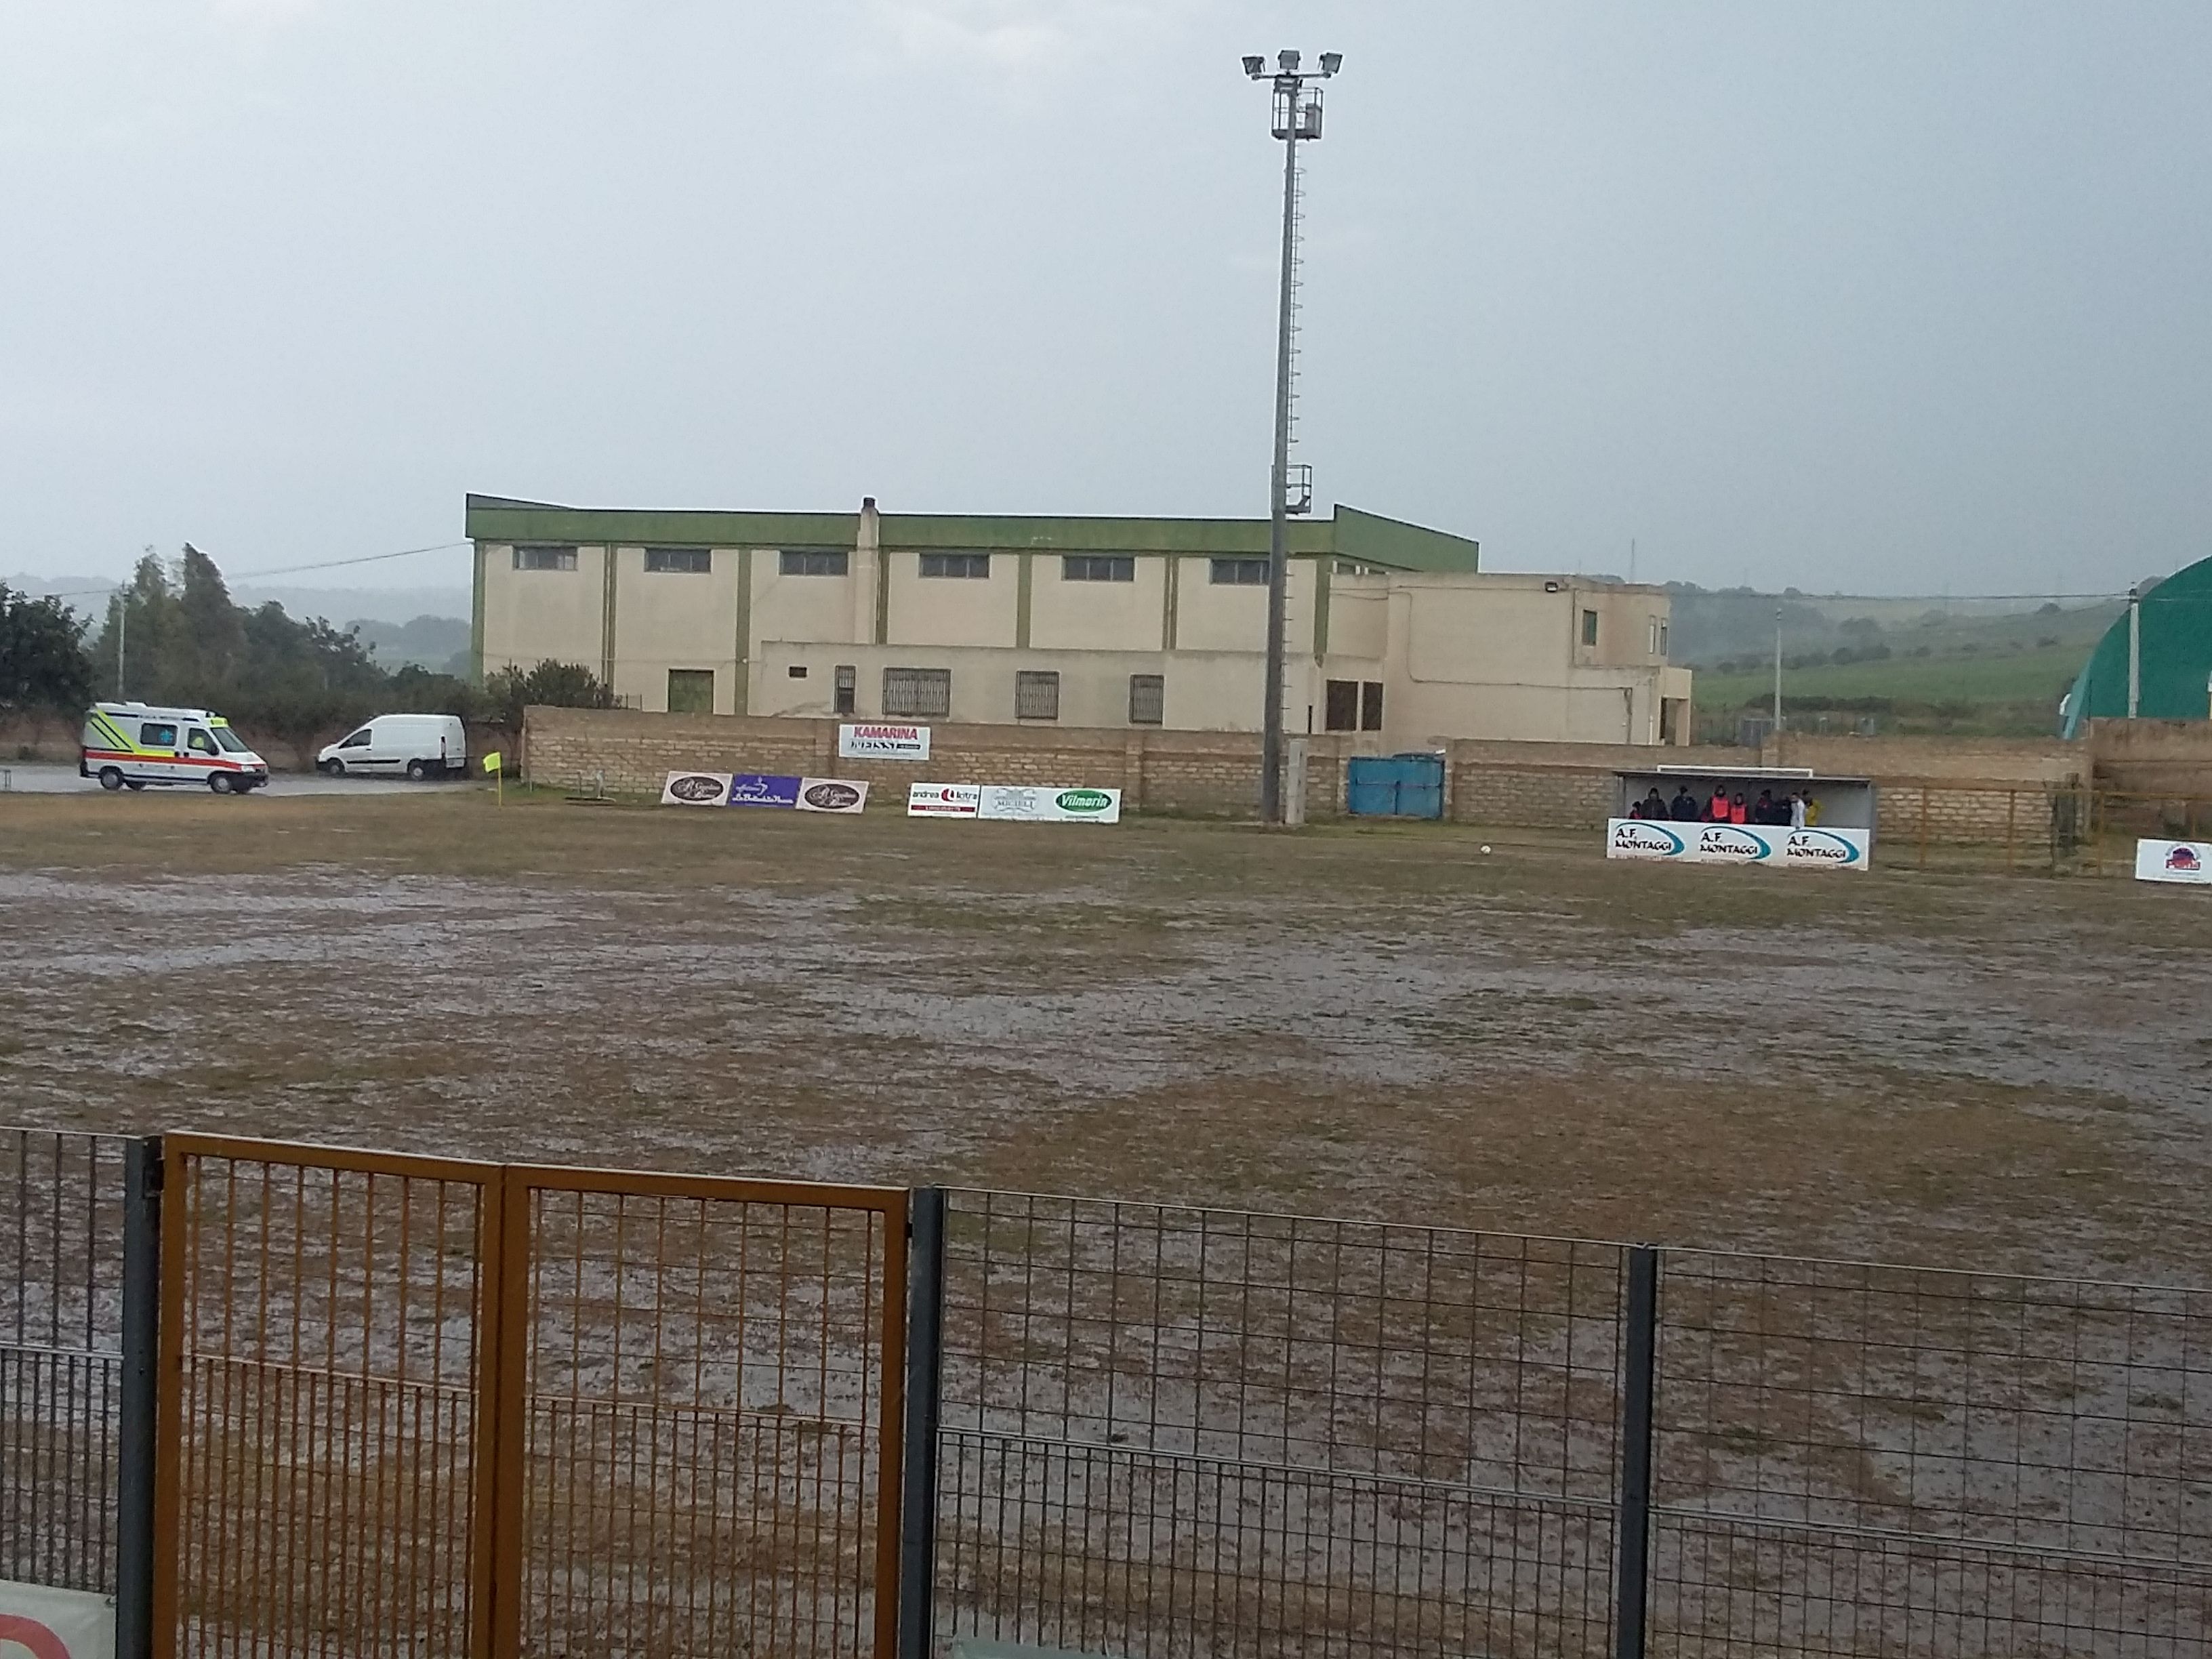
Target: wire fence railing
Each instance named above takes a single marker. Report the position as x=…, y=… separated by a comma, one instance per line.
x=1128, y=1429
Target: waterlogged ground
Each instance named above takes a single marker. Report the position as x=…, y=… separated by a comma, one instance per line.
x=1378, y=1023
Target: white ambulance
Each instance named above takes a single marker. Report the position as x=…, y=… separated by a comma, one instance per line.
x=128, y=745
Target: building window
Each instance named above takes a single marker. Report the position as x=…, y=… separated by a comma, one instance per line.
x=1036, y=695
x=690, y=690
x=1663, y=637
x=848, y=679
x=1239, y=573
x=544, y=558
x=1370, y=706
x=1098, y=567
x=1147, y=699
x=813, y=561
x=1589, y=627
x=679, y=561
x=1651, y=641
x=797, y=671
x=1340, y=706
x=917, y=693
x=973, y=567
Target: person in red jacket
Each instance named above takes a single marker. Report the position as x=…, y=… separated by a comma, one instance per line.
x=1716, y=809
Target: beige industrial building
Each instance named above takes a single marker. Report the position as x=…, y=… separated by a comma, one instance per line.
x=1092, y=622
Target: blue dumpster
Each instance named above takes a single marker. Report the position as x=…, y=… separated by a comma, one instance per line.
x=1395, y=786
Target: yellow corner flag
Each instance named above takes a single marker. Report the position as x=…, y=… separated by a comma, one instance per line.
x=492, y=761
x=491, y=764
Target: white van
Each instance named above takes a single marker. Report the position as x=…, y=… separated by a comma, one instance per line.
x=421, y=745
x=131, y=744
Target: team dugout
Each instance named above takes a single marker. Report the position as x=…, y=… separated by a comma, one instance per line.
x=1748, y=795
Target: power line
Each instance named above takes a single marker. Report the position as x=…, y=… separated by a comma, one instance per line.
x=285, y=570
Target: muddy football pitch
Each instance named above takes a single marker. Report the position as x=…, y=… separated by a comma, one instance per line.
x=1374, y=1021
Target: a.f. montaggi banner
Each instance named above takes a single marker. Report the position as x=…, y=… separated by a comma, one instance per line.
x=1809, y=849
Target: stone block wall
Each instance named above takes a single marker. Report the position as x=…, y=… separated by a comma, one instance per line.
x=1210, y=774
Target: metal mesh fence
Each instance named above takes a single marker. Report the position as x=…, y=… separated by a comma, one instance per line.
x=709, y=1371
x=1171, y=1431
x=60, y=1356
x=1884, y=1460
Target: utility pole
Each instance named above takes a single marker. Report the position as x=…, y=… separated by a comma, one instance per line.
x=1777, y=673
x=122, y=635
x=1297, y=114
x=2135, y=650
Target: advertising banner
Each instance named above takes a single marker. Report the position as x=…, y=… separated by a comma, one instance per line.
x=57, y=1623
x=763, y=789
x=1737, y=843
x=831, y=795
x=883, y=743
x=2174, y=860
x=944, y=800
x=695, y=789
x=1018, y=803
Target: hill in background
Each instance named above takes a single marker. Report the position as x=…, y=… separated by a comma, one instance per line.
x=1975, y=667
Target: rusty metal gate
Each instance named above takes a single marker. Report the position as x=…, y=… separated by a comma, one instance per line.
x=459, y=1409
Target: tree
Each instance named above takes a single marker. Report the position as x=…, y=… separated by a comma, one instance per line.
x=43, y=664
x=551, y=684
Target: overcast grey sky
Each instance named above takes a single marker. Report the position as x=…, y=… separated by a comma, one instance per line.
x=1892, y=297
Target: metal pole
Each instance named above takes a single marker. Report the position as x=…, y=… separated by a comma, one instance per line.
x=122, y=635
x=142, y=1314
x=2135, y=651
x=925, y=1349
x=1631, y=1551
x=1271, y=725
x=1777, y=681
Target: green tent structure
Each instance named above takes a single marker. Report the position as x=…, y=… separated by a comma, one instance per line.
x=2162, y=643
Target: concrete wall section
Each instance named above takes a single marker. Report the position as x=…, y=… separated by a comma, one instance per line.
x=531, y=616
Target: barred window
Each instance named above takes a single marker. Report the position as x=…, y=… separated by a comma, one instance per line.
x=848, y=682
x=976, y=567
x=1240, y=573
x=1371, y=705
x=1340, y=706
x=917, y=693
x=813, y=561
x=1036, y=695
x=680, y=560
x=1148, y=697
x=544, y=558
x=1098, y=567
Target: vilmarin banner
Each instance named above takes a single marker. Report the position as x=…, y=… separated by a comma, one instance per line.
x=57, y=1623
x=1018, y=803
x=944, y=800
x=1810, y=848
x=2187, y=861
x=695, y=789
x=763, y=789
x=909, y=742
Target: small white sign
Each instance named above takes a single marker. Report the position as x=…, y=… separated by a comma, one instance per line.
x=944, y=800
x=831, y=795
x=1019, y=802
x=695, y=789
x=2188, y=861
x=883, y=743
x=57, y=1623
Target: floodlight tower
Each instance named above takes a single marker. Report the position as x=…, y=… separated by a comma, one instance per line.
x=1297, y=111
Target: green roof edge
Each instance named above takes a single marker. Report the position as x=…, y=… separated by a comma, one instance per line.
x=1350, y=534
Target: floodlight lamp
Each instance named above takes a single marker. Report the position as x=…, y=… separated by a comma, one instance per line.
x=1331, y=61
x=1288, y=61
x=1255, y=67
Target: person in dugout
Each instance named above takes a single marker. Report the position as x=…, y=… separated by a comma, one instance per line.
x=1655, y=804
x=1716, y=809
x=1738, y=813
x=1685, y=805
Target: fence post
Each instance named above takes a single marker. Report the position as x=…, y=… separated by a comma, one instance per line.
x=1631, y=1547
x=141, y=1330
x=925, y=1349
